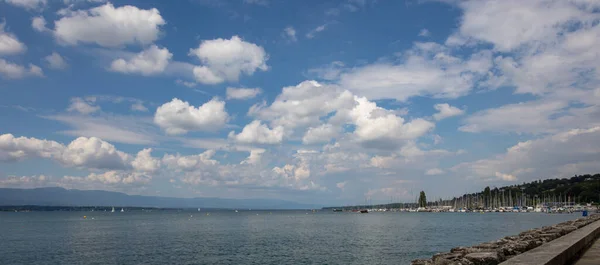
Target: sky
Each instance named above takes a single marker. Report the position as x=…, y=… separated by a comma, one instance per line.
x=328, y=102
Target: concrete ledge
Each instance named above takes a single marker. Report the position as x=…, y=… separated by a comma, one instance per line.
x=560, y=251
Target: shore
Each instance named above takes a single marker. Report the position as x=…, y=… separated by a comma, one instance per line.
x=495, y=252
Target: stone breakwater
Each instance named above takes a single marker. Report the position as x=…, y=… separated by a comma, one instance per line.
x=495, y=252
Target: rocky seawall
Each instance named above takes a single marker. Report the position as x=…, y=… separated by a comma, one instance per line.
x=495, y=252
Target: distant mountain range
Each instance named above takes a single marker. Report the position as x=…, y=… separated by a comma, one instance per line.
x=64, y=197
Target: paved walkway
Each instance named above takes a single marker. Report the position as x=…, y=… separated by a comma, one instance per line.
x=591, y=256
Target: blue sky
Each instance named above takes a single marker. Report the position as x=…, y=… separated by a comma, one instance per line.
x=311, y=101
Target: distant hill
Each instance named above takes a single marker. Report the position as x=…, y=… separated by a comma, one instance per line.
x=64, y=197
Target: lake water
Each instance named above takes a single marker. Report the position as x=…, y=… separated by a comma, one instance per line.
x=226, y=237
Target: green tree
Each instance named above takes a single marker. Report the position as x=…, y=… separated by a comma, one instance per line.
x=422, y=199
x=487, y=194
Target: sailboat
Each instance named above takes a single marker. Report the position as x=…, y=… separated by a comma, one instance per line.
x=113, y=210
x=122, y=210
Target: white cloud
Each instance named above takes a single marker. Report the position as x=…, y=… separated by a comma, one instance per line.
x=144, y=161
x=39, y=24
x=25, y=181
x=434, y=171
x=110, y=178
x=14, y=71
x=311, y=34
x=330, y=71
x=150, y=61
x=117, y=128
x=321, y=134
x=185, y=83
x=9, y=44
x=256, y=132
x=94, y=153
x=512, y=23
x=255, y=157
x=290, y=33
x=55, y=61
x=505, y=177
x=181, y=163
x=82, y=152
x=379, y=127
x=446, y=111
x=242, y=93
x=139, y=106
x=563, y=154
x=429, y=69
x=82, y=106
x=28, y=4
x=108, y=26
x=303, y=105
x=226, y=59
x=424, y=33
x=536, y=117
x=179, y=117
x=14, y=148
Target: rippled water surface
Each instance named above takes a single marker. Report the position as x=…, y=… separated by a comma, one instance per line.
x=249, y=237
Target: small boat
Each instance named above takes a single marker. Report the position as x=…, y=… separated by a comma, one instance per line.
x=236, y=211
x=364, y=211
x=113, y=210
x=337, y=210
x=122, y=210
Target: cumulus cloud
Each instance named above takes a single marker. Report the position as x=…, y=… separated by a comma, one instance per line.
x=242, y=93
x=55, y=61
x=9, y=44
x=379, y=127
x=94, y=153
x=15, y=148
x=39, y=24
x=303, y=105
x=320, y=134
x=226, y=59
x=256, y=132
x=144, y=161
x=255, y=157
x=14, y=71
x=179, y=117
x=446, y=111
x=109, y=26
x=83, y=106
x=151, y=61
x=180, y=163
x=82, y=152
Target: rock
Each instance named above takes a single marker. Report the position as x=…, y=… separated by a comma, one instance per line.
x=489, y=245
x=463, y=262
x=422, y=262
x=484, y=258
x=549, y=236
x=442, y=262
x=447, y=256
